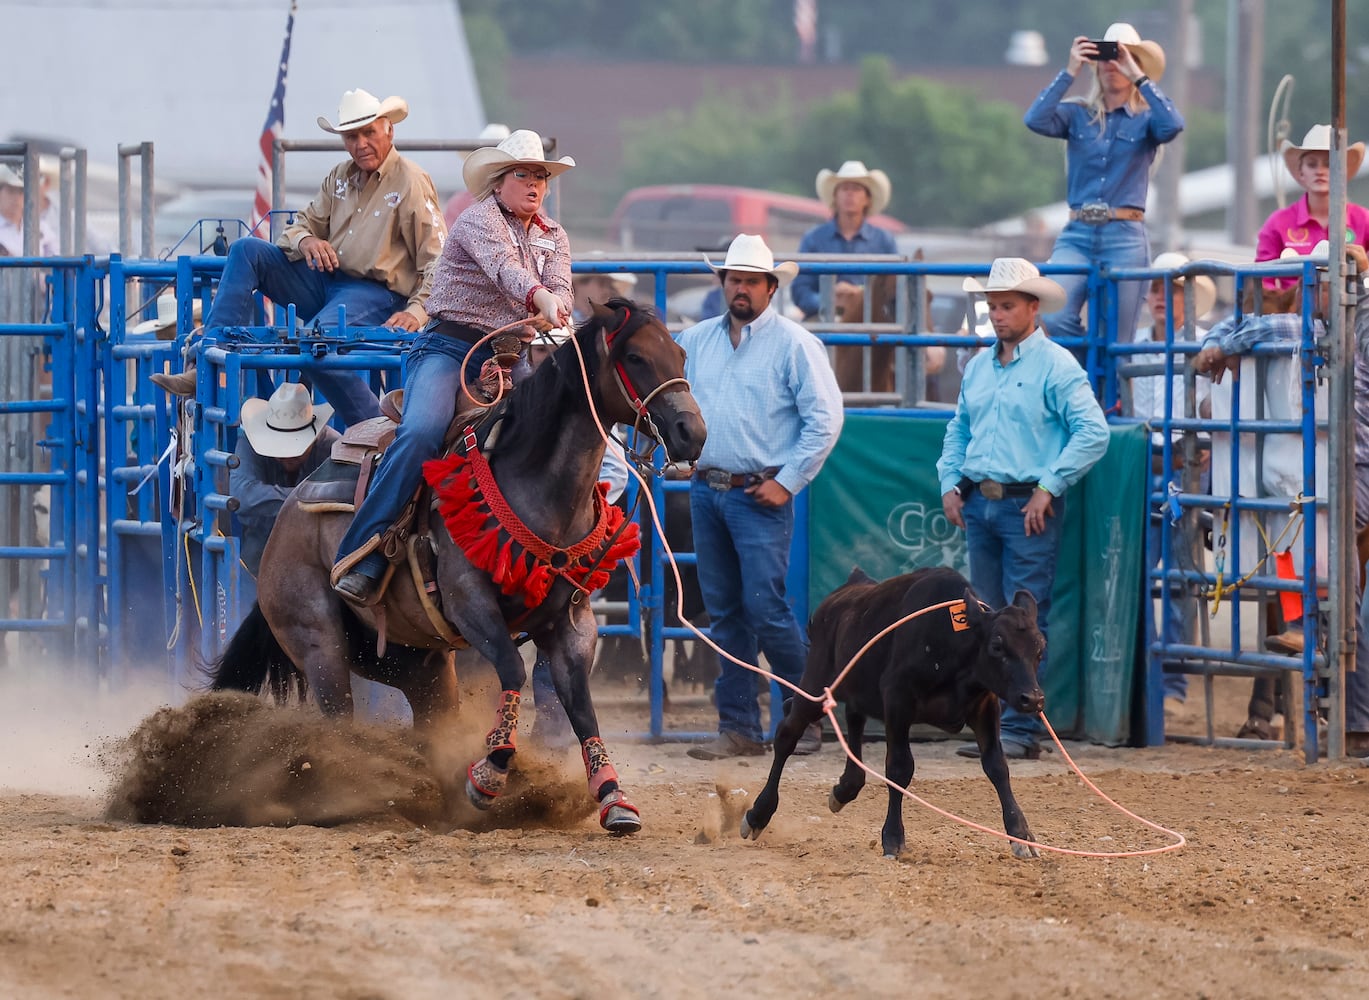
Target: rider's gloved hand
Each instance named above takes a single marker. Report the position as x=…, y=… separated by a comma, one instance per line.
x=549, y=307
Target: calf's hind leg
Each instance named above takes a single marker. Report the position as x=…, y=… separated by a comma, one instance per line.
x=898, y=768
x=852, y=778
x=801, y=714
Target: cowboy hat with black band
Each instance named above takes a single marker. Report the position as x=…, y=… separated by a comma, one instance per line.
x=358, y=108
x=287, y=424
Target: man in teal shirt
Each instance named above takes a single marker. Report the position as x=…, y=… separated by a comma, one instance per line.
x=1026, y=428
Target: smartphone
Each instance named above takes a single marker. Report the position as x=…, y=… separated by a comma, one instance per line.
x=1107, y=51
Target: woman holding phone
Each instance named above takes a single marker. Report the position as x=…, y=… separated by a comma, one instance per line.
x=1112, y=137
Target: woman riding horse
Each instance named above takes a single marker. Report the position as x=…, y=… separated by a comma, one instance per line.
x=503, y=261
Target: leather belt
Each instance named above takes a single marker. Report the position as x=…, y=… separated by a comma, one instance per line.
x=1096, y=214
x=722, y=480
x=992, y=489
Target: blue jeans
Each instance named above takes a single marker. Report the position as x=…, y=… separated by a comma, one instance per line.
x=743, y=557
x=1116, y=244
x=256, y=265
x=432, y=387
x=1004, y=560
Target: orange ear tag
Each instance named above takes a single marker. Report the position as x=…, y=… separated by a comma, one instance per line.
x=959, y=621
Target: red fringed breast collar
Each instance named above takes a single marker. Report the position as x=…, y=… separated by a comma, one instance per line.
x=495, y=539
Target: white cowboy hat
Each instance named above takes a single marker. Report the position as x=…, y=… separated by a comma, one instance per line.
x=1148, y=55
x=286, y=425
x=554, y=337
x=1319, y=254
x=1318, y=140
x=749, y=253
x=9, y=177
x=359, y=108
x=165, y=320
x=1016, y=274
x=1204, y=288
x=522, y=146
x=874, y=181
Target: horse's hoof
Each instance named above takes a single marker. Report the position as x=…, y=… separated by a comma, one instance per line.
x=478, y=798
x=621, y=821
x=833, y=803
x=1024, y=852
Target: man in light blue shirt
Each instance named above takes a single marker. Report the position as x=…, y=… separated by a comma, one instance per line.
x=1026, y=428
x=773, y=411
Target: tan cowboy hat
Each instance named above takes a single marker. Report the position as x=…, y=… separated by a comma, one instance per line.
x=165, y=320
x=1318, y=140
x=286, y=425
x=1204, y=288
x=1017, y=274
x=522, y=146
x=1148, y=55
x=749, y=253
x=359, y=108
x=874, y=181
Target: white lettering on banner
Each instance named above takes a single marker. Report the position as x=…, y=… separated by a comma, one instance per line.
x=927, y=536
x=1106, y=637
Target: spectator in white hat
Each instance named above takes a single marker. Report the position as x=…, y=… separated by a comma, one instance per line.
x=368, y=241
x=1112, y=138
x=1009, y=457
x=12, y=218
x=1302, y=225
x=774, y=413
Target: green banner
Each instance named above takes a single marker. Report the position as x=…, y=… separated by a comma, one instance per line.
x=877, y=505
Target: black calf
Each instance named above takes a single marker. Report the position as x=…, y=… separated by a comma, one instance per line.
x=947, y=668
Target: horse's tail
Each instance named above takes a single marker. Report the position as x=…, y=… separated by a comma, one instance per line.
x=254, y=659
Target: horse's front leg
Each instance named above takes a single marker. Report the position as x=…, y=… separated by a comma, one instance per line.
x=487, y=777
x=570, y=646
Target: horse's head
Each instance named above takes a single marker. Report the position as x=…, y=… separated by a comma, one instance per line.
x=641, y=381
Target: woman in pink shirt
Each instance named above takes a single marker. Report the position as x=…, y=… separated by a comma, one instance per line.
x=1303, y=224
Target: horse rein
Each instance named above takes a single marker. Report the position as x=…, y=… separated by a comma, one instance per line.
x=630, y=394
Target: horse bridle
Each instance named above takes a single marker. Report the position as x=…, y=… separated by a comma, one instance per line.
x=630, y=394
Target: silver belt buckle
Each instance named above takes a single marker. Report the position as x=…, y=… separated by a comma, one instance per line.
x=992, y=489
x=1095, y=213
x=718, y=479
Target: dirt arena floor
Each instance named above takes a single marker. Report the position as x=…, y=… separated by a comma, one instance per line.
x=389, y=898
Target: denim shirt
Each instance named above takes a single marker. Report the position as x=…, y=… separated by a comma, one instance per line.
x=1034, y=419
x=1111, y=163
x=826, y=238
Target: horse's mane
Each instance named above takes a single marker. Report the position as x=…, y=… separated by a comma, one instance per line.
x=537, y=404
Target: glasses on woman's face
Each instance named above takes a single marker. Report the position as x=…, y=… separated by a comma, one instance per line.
x=532, y=175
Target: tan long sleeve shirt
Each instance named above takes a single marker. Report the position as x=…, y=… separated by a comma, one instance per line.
x=387, y=227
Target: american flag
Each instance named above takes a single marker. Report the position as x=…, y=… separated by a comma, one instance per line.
x=806, y=27
x=275, y=125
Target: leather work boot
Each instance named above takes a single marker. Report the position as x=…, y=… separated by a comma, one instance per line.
x=810, y=742
x=727, y=744
x=1289, y=641
x=180, y=384
x=357, y=588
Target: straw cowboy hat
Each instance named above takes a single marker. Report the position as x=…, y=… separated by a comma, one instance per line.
x=874, y=181
x=523, y=146
x=359, y=108
x=165, y=320
x=1148, y=55
x=1204, y=288
x=749, y=253
x=286, y=425
x=1016, y=274
x=1318, y=140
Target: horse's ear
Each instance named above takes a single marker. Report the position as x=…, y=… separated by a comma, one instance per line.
x=601, y=312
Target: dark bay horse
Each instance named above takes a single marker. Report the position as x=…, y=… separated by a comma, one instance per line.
x=545, y=461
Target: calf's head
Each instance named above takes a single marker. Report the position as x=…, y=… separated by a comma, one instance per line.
x=1009, y=650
